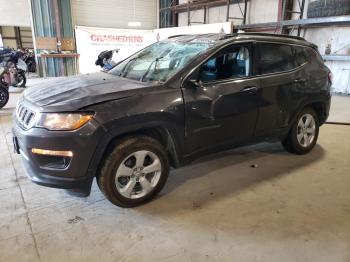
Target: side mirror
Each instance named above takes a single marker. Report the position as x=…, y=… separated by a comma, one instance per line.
x=195, y=83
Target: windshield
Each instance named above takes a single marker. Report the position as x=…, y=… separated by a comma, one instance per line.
x=159, y=61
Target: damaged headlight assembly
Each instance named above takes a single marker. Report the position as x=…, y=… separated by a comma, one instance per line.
x=63, y=121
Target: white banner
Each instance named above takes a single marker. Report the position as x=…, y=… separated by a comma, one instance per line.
x=91, y=41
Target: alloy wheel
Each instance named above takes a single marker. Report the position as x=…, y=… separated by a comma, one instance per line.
x=306, y=130
x=138, y=174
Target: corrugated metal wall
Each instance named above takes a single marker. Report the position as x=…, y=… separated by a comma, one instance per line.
x=114, y=13
x=44, y=26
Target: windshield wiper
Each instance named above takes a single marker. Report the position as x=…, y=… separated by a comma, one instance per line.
x=149, y=68
x=123, y=72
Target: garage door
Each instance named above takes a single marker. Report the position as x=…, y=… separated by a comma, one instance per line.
x=114, y=13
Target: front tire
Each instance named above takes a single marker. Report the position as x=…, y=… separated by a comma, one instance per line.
x=134, y=172
x=4, y=96
x=304, y=133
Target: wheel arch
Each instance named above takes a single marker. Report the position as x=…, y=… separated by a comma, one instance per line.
x=320, y=109
x=161, y=134
x=319, y=106
x=164, y=135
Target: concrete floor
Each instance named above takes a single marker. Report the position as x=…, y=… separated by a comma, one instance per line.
x=340, y=109
x=288, y=208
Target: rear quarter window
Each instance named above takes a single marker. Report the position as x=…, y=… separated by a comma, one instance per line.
x=301, y=55
x=275, y=58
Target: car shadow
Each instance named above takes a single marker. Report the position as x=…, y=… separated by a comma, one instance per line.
x=225, y=174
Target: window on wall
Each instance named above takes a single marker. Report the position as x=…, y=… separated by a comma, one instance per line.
x=167, y=18
x=275, y=58
x=233, y=62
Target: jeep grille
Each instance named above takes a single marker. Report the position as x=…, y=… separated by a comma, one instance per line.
x=25, y=116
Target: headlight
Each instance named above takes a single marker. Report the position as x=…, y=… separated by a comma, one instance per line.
x=63, y=121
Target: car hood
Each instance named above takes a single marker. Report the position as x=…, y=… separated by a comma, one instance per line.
x=75, y=92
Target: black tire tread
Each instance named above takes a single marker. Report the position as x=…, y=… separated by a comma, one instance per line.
x=291, y=144
x=4, y=89
x=117, y=153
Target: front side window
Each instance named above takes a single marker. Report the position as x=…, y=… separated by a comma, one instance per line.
x=233, y=62
x=160, y=61
x=275, y=58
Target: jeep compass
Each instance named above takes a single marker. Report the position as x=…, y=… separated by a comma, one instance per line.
x=170, y=103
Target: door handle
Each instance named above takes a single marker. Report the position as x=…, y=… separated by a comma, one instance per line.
x=250, y=89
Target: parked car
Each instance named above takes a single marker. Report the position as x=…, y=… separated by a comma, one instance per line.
x=168, y=104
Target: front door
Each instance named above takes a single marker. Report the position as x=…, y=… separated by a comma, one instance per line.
x=222, y=106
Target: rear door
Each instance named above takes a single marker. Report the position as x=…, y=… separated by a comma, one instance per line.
x=222, y=109
x=280, y=75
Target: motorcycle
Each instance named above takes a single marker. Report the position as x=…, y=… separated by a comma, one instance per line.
x=105, y=59
x=15, y=69
x=28, y=57
x=4, y=88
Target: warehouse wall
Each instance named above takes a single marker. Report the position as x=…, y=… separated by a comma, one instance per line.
x=257, y=12
x=115, y=13
x=339, y=39
x=8, y=37
x=21, y=39
x=14, y=13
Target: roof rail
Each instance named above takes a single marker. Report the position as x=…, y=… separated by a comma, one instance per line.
x=173, y=36
x=226, y=36
x=272, y=35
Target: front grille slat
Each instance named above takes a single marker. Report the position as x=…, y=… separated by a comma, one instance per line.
x=21, y=111
x=25, y=116
x=29, y=118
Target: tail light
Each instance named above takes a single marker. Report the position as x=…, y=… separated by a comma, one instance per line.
x=330, y=78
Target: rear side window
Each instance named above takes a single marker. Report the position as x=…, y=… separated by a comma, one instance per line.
x=275, y=58
x=301, y=55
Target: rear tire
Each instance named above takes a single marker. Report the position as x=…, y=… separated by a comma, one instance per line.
x=303, y=134
x=134, y=172
x=22, y=79
x=4, y=96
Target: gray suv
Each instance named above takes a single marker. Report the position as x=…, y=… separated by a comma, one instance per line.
x=168, y=104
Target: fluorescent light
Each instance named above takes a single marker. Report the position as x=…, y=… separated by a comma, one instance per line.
x=134, y=24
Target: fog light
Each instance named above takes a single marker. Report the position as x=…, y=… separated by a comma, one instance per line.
x=52, y=152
